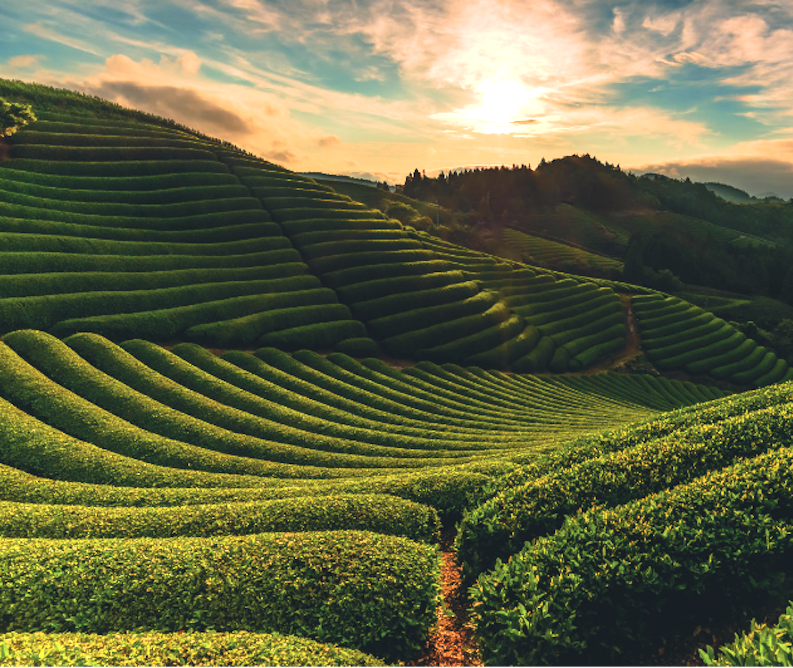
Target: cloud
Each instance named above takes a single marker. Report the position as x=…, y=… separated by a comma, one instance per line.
x=618, y=24
x=24, y=61
x=756, y=175
x=173, y=102
x=328, y=141
x=40, y=30
x=664, y=24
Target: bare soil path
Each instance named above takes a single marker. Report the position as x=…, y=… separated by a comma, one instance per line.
x=452, y=642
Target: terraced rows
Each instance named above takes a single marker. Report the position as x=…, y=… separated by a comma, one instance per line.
x=546, y=253
x=412, y=300
x=634, y=534
x=204, y=461
x=128, y=229
x=242, y=418
x=678, y=335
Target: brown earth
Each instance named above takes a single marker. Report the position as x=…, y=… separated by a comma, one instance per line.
x=452, y=642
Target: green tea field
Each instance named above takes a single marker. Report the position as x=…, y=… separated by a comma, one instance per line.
x=239, y=411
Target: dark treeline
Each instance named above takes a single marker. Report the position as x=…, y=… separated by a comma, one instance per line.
x=710, y=261
x=510, y=195
x=584, y=181
x=512, y=191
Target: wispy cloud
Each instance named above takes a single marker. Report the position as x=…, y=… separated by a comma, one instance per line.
x=40, y=29
x=379, y=82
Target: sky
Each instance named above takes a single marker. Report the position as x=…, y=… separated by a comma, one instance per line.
x=378, y=88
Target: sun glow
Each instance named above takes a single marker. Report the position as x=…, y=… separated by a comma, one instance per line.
x=503, y=103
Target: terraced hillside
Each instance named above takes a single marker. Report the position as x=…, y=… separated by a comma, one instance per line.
x=678, y=335
x=564, y=257
x=181, y=452
x=204, y=444
x=130, y=229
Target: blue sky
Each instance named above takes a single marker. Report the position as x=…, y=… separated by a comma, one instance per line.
x=381, y=87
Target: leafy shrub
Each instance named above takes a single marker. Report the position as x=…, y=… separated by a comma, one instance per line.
x=300, y=308
x=506, y=352
x=370, y=591
x=406, y=299
x=361, y=346
x=55, y=311
x=296, y=228
x=365, y=281
x=186, y=222
x=538, y=358
x=77, y=156
x=28, y=172
x=380, y=513
x=472, y=344
x=501, y=526
x=418, y=339
x=240, y=648
x=364, y=261
x=422, y=317
x=762, y=646
x=602, y=582
x=317, y=336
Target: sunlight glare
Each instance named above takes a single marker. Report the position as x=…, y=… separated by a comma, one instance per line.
x=502, y=103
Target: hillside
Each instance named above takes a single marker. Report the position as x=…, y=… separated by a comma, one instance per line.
x=282, y=396
x=653, y=224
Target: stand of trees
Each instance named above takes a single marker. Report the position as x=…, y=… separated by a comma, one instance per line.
x=510, y=195
x=513, y=191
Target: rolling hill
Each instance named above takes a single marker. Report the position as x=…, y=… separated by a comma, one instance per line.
x=239, y=406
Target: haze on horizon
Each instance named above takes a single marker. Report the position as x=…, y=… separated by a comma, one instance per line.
x=377, y=88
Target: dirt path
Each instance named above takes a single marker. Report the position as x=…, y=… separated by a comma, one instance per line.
x=632, y=348
x=452, y=643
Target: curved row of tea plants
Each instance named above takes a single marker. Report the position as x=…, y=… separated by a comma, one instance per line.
x=366, y=590
x=152, y=648
x=128, y=229
x=679, y=335
x=123, y=446
x=612, y=469
x=546, y=253
x=611, y=581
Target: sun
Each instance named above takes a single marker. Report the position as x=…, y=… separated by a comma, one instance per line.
x=502, y=103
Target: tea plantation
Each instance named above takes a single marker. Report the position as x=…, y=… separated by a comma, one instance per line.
x=237, y=408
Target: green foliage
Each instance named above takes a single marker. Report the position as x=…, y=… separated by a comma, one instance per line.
x=762, y=646
x=366, y=512
x=602, y=582
x=680, y=336
x=371, y=591
x=501, y=526
x=14, y=115
x=209, y=648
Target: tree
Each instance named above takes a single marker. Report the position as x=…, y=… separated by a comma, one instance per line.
x=14, y=115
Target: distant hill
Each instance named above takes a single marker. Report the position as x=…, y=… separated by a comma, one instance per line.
x=730, y=193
